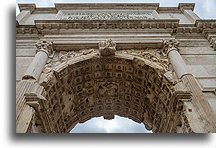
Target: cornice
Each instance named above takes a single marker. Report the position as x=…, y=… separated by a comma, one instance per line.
x=179, y=9
x=121, y=6
x=120, y=45
x=106, y=24
x=26, y=29
x=30, y=7
x=186, y=6
x=200, y=26
x=47, y=10
x=50, y=25
x=206, y=23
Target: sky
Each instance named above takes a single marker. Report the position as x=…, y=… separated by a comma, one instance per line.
x=116, y=125
x=205, y=9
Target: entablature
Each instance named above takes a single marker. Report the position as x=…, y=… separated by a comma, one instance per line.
x=108, y=11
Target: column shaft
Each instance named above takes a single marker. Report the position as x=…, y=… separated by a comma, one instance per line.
x=29, y=85
x=36, y=67
x=178, y=63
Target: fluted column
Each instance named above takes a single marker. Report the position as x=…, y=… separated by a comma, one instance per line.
x=44, y=50
x=204, y=113
x=28, y=91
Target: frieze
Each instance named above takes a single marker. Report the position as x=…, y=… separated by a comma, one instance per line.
x=105, y=15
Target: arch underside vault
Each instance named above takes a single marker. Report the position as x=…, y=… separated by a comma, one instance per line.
x=78, y=88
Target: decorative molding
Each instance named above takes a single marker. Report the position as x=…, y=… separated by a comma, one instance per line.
x=30, y=29
x=118, y=6
x=106, y=24
x=153, y=56
x=205, y=24
x=186, y=6
x=30, y=7
x=190, y=30
x=201, y=26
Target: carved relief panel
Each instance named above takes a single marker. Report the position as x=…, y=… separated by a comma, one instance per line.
x=105, y=15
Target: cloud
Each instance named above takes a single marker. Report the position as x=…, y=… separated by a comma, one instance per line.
x=204, y=9
x=116, y=125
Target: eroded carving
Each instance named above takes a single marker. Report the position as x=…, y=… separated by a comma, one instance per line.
x=169, y=45
x=214, y=43
x=107, y=87
x=65, y=56
x=45, y=46
x=107, y=48
x=95, y=15
x=151, y=55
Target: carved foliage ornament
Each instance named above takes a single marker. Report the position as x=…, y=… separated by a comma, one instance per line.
x=107, y=48
x=148, y=54
x=45, y=46
x=169, y=45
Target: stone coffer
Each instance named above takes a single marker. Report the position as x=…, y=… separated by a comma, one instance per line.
x=151, y=64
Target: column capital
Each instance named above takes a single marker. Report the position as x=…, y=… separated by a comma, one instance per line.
x=45, y=46
x=169, y=45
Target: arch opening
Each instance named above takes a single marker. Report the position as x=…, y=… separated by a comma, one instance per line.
x=116, y=125
x=93, y=86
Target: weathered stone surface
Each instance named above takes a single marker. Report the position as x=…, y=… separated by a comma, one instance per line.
x=44, y=50
x=107, y=48
x=97, y=60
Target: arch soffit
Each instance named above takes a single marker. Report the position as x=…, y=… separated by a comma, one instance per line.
x=140, y=100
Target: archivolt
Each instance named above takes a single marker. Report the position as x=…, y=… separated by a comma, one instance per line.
x=91, y=86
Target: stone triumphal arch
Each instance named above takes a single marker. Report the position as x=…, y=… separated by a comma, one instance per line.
x=129, y=60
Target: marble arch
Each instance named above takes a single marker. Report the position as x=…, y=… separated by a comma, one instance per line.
x=106, y=82
x=169, y=44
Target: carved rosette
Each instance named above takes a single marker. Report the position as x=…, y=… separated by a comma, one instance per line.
x=107, y=48
x=45, y=46
x=170, y=45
